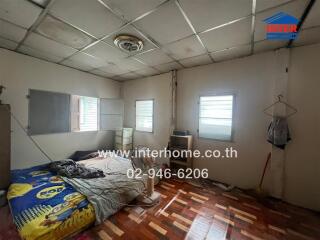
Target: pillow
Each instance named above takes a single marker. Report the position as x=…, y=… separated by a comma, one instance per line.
x=82, y=155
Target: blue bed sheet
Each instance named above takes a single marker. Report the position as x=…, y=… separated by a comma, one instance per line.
x=45, y=207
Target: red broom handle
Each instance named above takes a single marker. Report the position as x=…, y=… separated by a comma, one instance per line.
x=265, y=169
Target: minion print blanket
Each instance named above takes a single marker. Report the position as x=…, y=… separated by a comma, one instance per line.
x=44, y=207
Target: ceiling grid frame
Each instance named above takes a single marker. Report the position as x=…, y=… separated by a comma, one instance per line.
x=244, y=17
x=253, y=23
x=46, y=11
x=150, y=39
x=126, y=24
x=147, y=37
x=42, y=15
x=193, y=29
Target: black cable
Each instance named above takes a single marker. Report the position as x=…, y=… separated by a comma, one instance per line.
x=26, y=132
x=51, y=160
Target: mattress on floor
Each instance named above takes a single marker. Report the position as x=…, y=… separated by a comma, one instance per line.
x=45, y=207
x=112, y=192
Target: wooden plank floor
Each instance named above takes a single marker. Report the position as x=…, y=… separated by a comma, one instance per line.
x=189, y=212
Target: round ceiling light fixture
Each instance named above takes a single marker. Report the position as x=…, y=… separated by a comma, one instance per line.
x=128, y=43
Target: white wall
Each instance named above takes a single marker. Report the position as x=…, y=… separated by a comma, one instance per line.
x=302, y=154
x=157, y=88
x=251, y=79
x=18, y=73
x=256, y=81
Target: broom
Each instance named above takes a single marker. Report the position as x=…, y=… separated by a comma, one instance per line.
x=258, y=192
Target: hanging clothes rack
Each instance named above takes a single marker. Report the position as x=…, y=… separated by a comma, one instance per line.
x=280, y=101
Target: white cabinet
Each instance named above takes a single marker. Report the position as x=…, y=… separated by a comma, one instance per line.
x=124, y=139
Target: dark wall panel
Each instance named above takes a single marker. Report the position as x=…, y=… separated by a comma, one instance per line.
x=49, y=112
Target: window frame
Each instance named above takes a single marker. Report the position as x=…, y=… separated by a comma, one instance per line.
x=98, y=114
x=135, y=118
x=232, y=119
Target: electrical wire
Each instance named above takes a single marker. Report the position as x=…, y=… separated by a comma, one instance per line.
x=26, y=132
x=97, y=194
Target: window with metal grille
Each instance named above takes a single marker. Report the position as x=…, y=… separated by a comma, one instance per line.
x=84, y=111
x=215, y=117
x=144, y=115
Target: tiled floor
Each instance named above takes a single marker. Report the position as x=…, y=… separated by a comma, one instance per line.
x=189, y=212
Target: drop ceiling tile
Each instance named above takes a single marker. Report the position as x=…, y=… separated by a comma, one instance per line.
x=113, y=69
x=268, y=45
x=206, y=14
x=168, y=67
x=129, y=30
x=119, y=78
x=90, y=16
x=229, y=36
x=22, y=13
x=231, y=53
x=5, y=43
x=147, y=71
x=59, y=31
x=187, y=47
x=294, y=8
x=262, y=5
x=165, y=25
x=308, y=36
x=130, y=63
x=39, y=54
x=77, y=65
x=133, y=8
x=11, y=32
x=196, y=61
x=313, y=18
x=106, y=52
x=88, y=60
x=102, y=73
x=49, y=46
x=154, y=57
x=131, y=76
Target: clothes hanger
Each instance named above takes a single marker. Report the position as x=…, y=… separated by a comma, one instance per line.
x=294, y=110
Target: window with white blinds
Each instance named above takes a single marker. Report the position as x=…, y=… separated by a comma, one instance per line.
x=215, y=117
x=84, y=113
x=88, y=114
x=144, y=115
